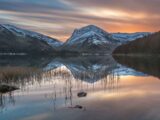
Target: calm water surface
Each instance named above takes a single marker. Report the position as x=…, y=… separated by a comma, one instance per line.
x=48, y=88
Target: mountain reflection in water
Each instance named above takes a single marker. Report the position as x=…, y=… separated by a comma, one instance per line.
x=146, y=64
x=60, y=79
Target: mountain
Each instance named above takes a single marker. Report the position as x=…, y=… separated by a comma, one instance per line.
x=16, y=40
x=21, y=32
x=146, y=45
x=128, y=37
x=90, y=39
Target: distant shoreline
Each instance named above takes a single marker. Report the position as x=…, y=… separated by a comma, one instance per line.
x=12, y=54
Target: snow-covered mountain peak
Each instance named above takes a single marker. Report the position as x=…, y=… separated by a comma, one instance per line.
x=23, y=33
x=90, y=28
x=18, y=31
x=90, y=39
x=90, y=36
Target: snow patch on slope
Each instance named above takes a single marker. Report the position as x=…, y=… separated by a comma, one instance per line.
x=24, y=33
x=94, y=34
x=90, y=34
x=127, y=37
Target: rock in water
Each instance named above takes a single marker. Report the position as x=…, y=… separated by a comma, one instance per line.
x=82, y=94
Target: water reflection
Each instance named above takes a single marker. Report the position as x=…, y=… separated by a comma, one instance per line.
x=52, y=84
x=71, y=72
x=5, y=100
x=19, y=76
x=146, y=64
x=24, y=61
x=88, y=69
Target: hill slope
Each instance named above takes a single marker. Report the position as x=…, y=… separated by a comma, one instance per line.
x=147, y=45
x=16, y=40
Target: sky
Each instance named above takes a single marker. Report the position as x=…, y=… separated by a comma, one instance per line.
x=58, y=18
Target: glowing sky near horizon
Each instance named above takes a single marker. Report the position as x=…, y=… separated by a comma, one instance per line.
x=58, y=18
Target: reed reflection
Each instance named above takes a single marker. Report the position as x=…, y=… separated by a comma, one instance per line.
x=67, y=77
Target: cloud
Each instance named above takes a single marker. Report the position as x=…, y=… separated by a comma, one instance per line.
x=58, y=18
x=147, y=6
x=34, y=5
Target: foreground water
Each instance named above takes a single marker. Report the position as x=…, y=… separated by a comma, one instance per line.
x=49, y=88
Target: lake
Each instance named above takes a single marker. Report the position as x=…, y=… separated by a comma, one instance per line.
x=117, y=88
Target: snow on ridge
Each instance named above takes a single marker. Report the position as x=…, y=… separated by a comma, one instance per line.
x=126, y=37
x=89, y=28
x=21, y=32
x=97, y=35
x=79, y=35
x=88, y=34
x=118, y=38
x=93, y=32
